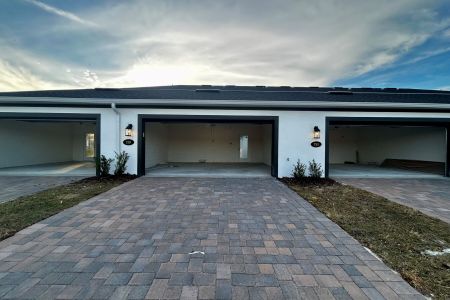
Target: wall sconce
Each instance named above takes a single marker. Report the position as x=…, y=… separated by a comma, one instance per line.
x=316, y=133
x=129, y=130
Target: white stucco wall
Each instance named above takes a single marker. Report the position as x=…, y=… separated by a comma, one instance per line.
x=295, y=128
x=295, y=132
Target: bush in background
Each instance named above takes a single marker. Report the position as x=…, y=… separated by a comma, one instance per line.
x=121, y=163
x=104, y=165
x=299, y=170
x=315, y=169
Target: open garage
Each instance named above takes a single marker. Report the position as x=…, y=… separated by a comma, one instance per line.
x=387, y=148
x=48, y=145
x=218, y=147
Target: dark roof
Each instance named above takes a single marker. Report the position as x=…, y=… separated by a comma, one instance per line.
x=260, y=93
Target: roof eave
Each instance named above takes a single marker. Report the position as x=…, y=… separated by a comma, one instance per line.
x=250, y=104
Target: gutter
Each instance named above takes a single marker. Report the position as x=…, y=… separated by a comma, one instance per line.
x=118, y=121
x=223, y=104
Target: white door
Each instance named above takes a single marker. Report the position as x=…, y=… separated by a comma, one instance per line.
x=89, y=149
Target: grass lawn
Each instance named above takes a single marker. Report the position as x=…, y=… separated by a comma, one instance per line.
x=25, y=211
x=397, y=234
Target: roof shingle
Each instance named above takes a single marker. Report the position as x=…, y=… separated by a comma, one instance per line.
x=257, y=93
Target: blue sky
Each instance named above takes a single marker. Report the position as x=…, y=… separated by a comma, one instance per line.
x=49, y=44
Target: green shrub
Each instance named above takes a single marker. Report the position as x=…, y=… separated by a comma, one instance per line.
x=299, y=170
x=315, y=169
x=121, y=163
x=104, y=165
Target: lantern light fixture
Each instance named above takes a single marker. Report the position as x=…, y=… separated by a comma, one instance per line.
x=316, y=133
x=129, y=130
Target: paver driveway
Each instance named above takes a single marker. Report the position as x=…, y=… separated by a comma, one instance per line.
x=260, y=240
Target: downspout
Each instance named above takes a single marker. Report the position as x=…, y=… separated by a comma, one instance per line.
x=114, y=108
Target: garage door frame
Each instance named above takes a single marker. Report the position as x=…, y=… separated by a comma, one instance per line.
x=146, y=118
x=388, y=121
x=49, y=117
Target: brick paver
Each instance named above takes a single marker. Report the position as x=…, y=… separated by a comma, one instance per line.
x=430, y=196
x=193, y=239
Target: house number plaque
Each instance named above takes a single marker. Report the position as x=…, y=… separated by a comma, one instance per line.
x=128, y=142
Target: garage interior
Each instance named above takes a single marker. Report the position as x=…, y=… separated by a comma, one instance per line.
x=208, y=149
x=387, y=151
x=47, y=147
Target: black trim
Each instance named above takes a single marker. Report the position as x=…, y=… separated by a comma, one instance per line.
x=447, y=163
x=98, y=129
x=387, y=121
x=63, y=116
x=53, y=104
x=144, y=118
x=275, y=133
x=141, y=145
x=327, y=147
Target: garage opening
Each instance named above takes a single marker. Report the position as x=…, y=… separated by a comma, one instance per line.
x=48, y=146
x=208, y=148
x=383, y=150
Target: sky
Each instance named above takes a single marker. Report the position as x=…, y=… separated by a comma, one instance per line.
x=56, y=44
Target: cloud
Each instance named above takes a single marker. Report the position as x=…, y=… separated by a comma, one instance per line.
x=428, y=54
x=252, y=42
x=18, y=78
x=61, y=13
x=23, y=70
x=446, y=33
x=262, y=42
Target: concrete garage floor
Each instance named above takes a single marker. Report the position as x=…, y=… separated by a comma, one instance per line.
x=212, y=170
x=84, y=169
x=369, y=171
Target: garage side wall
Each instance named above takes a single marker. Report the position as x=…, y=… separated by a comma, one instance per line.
x=155, y=144
x=343, y=145
x=267, y=140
